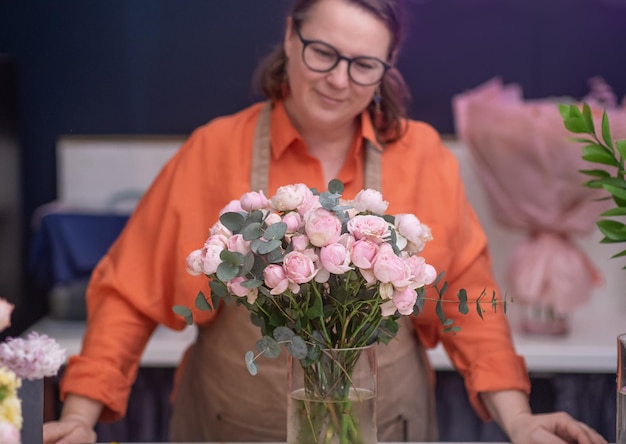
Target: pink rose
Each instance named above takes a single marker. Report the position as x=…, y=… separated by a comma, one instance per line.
x=218, y=229
x=404, y=300
x=253, y=201
x=194, y=268
x=390, y=268
x=211, y=259
x=234, y=206
x=289, y=197
x=293, y=221
x=275, y=278
x=409, y=226
x=322, y=227
x=217, y=239
x=234, y=287
x=370, y=200
x=364, y=252
x=388, y=308
x=6, y=308
x=335, y=258
x=272, y=218
x=300, y=242
x=369, y=227
x=298, y=266
x=421, y=273
x=238, y=244
x=311, y=202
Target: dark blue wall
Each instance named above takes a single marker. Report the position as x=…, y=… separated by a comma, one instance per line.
x=167, y=66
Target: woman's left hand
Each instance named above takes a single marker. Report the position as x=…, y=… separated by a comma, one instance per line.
x=551, y=428
x=511, y=411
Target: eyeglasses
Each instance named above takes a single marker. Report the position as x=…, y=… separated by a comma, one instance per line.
x=322, y=57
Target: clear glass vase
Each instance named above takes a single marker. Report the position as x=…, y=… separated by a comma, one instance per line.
x=620, y=424
x=333, y=401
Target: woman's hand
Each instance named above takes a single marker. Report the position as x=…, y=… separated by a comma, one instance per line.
x=511, y=411
x=69, y=430
x=552, y=428
x=77, y=422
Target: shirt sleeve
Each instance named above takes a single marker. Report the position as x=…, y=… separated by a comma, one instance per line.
x=141, y=278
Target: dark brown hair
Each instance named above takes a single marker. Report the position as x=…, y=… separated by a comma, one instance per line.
x=270, y=76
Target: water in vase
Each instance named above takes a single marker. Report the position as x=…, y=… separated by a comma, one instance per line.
x=316, y=421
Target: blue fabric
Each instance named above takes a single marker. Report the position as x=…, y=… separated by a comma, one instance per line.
x=68, y=246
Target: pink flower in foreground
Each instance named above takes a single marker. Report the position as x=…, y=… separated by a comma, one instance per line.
x=390, y=268
x=32, y=358
x=370, y=200
x=253, y=201
x=404, y=300
x=335, y=258
x=6, y=308
x=322, y=227
x=275, y=278
x=289, y=197
x=9, y=434
x=194, y=263
x=369, y=227
x=299, y=268
x=234, y=287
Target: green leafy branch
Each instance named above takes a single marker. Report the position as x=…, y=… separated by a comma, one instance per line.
x=603, y=150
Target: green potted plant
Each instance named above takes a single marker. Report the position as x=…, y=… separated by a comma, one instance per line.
x=608, y=154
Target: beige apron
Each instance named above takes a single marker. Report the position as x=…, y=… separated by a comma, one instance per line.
x=218, y=400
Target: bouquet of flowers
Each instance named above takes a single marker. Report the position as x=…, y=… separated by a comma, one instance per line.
x=318, y=274
x=31, y=358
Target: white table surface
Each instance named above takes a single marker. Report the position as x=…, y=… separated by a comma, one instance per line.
x=590, y=347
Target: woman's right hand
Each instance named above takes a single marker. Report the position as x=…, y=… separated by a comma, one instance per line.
x=77, y=422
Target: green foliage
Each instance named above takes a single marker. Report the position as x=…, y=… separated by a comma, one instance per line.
x=601, y=149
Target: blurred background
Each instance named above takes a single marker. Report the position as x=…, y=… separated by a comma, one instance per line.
x=164, y=67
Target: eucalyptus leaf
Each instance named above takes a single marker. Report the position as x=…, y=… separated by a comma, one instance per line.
x=201, y=303
x=233, y=221
x=252, y=283
x=225, y=272
x=462, y=297
x=266, y=247
x=275, y=231
x=336, y=186
x=282, y=334
x=252, y=231
x=231, y=257
x=268, y=346
x=218, y=289
x=247, y=265
x=252, y=368
x=184, y=312
x=297, y=347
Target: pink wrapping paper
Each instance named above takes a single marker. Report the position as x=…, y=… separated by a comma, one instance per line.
x=530, y=173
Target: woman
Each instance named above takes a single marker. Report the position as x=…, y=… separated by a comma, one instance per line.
x=336, y=111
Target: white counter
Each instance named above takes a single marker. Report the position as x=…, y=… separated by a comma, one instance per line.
x=590, y=347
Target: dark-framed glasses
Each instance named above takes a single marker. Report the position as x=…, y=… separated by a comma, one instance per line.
x=322, y=57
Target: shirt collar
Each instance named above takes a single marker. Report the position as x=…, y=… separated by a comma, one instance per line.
x=283, y=132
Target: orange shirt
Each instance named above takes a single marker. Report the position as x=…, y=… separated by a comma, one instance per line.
x=143, y=275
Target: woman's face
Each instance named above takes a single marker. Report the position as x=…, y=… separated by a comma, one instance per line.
x=323, y=101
